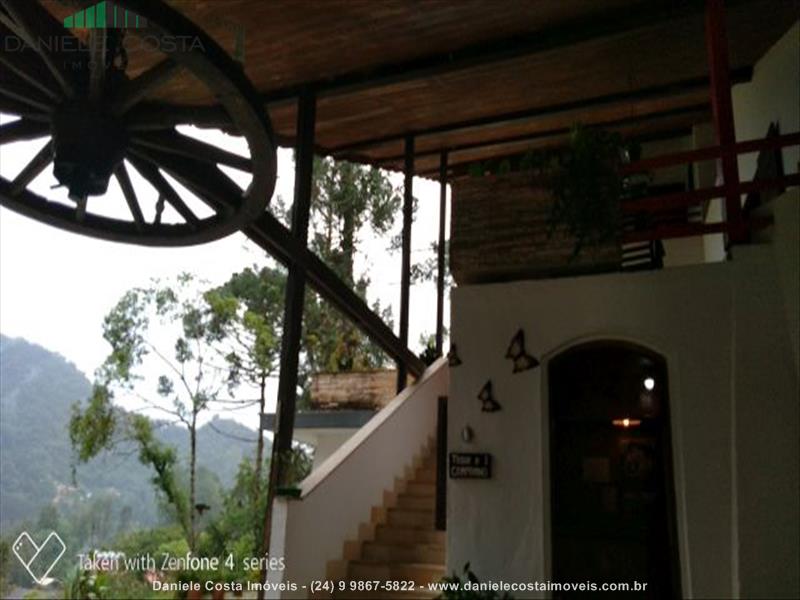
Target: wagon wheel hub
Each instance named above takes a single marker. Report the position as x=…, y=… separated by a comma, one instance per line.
x=105, y=122
x=88, y=146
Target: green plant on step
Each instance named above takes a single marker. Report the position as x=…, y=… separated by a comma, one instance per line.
x=468, y=588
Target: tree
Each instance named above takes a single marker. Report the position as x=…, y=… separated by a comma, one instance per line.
x=347, y=199
x=232, y=531
x=247, y=312
x=190, y=379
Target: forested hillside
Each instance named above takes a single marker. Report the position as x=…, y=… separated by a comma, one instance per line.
x=37, y=389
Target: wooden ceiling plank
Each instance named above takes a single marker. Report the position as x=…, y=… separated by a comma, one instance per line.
x=570, y=33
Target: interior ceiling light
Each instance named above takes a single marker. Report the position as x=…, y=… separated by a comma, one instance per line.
x=626, y=422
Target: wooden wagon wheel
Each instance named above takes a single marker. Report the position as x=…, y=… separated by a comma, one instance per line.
x=74, y=90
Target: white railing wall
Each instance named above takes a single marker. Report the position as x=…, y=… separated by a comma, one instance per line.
x=338, y=496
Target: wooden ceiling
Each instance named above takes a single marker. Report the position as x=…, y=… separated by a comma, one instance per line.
x=480, y=78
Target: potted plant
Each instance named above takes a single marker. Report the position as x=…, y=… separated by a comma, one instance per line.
x=588, y=187
x=547, y=213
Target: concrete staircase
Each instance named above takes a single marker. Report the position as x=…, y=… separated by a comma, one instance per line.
x=401, y=542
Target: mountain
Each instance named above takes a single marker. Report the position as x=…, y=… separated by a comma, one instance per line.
x=37, y=390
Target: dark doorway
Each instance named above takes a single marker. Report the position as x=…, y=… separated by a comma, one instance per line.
x=612, y=502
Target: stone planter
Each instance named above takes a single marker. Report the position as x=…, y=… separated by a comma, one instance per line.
x=361, y=390
x=499, y=232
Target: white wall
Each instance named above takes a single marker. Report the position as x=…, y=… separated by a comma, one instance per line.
x=766, y=435
x=724, y=339
x=786, y=244
x=325, y=441
x=772, y=95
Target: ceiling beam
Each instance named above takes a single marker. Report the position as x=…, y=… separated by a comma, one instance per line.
x=570, y=33
x=529, y=137
x=461, y=168
x=684, y=86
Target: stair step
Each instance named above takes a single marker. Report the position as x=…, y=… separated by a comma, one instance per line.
x=419, y=573
x=404, y=553
x=421, y=489
x=389, y=534
x=413, y=518
x=425, y=476
x=416, y=502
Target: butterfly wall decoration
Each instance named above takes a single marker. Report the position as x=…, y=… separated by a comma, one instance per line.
x=488, y=403
x=516, y=352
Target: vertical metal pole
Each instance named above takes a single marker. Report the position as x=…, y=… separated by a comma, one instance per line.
x=440, y=275
x=405, y=278
x=441, y=464
x=722, y=106
x=293, y=312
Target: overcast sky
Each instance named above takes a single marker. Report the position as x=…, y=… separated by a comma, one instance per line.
x=56, y=286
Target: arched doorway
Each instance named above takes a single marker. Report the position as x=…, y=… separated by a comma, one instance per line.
x=612, y=496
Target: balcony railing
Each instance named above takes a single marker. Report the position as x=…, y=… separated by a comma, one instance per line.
x=736, y=225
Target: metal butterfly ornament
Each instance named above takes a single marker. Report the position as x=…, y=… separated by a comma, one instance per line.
x=516, y=352
x=488, y=403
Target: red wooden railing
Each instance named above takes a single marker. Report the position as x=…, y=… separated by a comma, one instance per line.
x=737, y=230
x=736, y=225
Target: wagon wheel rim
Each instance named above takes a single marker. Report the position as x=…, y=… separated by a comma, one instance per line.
x=72, y=95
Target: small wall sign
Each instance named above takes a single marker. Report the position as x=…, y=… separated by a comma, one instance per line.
x=469, y=465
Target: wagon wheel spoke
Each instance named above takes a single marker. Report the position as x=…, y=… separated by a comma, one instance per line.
x=165, y=190
x=24, y=65
x=121, y=173
x=207, y=182
x=22, y=130
x=183, y=145
x=32, y=170
x=136, y=90
x=27, y=95
x=31, y=22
